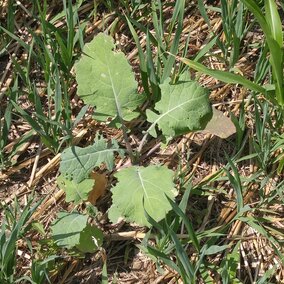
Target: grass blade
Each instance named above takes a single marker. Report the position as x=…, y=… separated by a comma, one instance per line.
x=175, y=44
x=236, y=183
x=183, y=257
x=188, y=226
x=273, y=20
x=142, y=58
x=224, y=76
x=274, y=40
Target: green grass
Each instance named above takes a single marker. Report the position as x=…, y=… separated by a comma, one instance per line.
x=51, y=53
x=15, y=226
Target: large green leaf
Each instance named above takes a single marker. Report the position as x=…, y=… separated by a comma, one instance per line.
x=66, y=229
x=77, y=163
x=75, y=192
x=106, y=81
x=183, y=107
x=139, y=188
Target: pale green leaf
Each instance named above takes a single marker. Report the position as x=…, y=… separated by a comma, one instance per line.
x=183, y=107
x=77, y=163
x=66, y=229
x=106, y=81
x=142, y=184
x=75, y=192
x=91, y=239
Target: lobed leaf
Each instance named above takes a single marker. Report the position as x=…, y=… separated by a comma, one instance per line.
x=75, y=192
x=77, y=162
x=214, y=249
x=139, y=189
x=183, y=107
x=106, y=81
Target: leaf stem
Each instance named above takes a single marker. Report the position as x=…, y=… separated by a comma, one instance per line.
x=145, y=137
x=142, y=142
x=127, y=142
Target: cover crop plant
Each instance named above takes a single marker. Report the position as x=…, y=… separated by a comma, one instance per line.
x=106, y=82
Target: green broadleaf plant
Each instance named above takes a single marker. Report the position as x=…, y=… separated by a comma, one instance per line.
x=67, y=227
x=105, y=81
x=183, y=107
x=91, y=239
x=71, y=230
x=77, y=163
x=139, y=188
x=75, y=192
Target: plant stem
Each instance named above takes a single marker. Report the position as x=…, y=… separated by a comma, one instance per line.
x=142, y=142
x=127, y=142
x=144, y=138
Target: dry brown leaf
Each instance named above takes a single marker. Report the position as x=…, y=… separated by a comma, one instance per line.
x=220, y=125
x=99, y=187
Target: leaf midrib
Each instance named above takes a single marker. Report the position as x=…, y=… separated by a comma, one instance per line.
x=119, y=112
x=89, y=154
x=169, y=111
